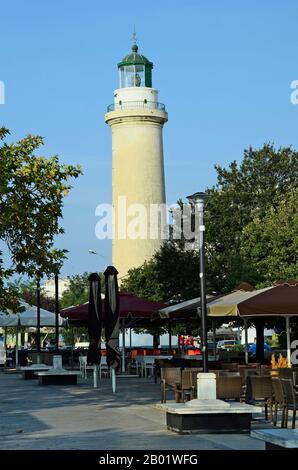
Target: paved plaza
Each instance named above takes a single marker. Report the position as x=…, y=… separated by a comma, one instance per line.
x=80, y=417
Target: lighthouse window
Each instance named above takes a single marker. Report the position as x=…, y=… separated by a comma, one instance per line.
x=132, y=76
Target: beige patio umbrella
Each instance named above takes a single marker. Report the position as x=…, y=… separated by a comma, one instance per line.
x=227, y=305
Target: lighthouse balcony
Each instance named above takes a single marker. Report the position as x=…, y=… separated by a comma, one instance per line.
x=136, y=105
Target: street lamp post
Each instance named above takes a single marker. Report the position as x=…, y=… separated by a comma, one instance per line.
x=38, y=320
x=57, y=313
x=198, y=201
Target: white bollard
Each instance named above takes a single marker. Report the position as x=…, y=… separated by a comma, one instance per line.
x=206, y=386
x=113, y=375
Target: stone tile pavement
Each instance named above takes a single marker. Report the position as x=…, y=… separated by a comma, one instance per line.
x=81, y=417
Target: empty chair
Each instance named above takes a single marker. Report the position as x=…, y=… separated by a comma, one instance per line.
x=295, y=379
x=103, y=367
x=227, y=373
x=265, y=370
x=83, y=364
x=290, y=399
x=232, y=366
x=185, y=390
x=170, y=378
x=279, y=400
x=259, y=391
x=229, y=388
x=285, y=373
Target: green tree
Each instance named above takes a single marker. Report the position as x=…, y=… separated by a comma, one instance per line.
x=32, y=189
x=78, y=291
x=172, y=274
x=27, y=291
x=257, y=183
x=269, y=243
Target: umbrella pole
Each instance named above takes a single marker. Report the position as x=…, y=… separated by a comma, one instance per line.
x=288, y=330
x=123, y=348
x=17, y=346
x=113, y=375
x=170, y=336
x=246, y=340
x=214, y=338
x=72, y=345
x=5, y=345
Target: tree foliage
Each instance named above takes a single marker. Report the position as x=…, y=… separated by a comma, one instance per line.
x=171, y=275
x=78, y=291
x=32, y=189
x=27, y=291
x=257, y=184
x=269, y=243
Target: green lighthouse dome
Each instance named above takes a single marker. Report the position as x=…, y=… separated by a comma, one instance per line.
x=135, y=70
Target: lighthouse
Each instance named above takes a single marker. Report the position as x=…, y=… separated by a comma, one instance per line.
x=136, y=119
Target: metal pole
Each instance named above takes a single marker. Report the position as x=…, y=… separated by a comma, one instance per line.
x=214, y=338
x=57, y=313
x=123, y=347
x=246, y=340
x=170, y=335
x=17, y=346
x=72, y=346
x=288, y=330
x=113, y=376
x=204, y=342
x=38, y=320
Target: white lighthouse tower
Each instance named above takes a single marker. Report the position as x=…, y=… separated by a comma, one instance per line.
x=136, y=119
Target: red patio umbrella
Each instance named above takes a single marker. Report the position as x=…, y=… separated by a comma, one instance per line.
x=131, y=308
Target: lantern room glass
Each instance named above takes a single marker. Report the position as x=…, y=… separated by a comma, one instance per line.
x=132, y=76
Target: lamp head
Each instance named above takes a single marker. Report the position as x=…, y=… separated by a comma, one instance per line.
x=197, y=199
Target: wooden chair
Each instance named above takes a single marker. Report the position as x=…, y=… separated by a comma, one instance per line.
x=185, y=390
x=170, y=377
x=259, y=391
x=227, y=373
x=231, y=366
x=278, y=400
x=290, y=399
x=285, y=373
x=229, y=388
x=295, y=380
x=83, y=365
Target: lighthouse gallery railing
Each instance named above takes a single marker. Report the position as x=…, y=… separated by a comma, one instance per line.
x=136, y=104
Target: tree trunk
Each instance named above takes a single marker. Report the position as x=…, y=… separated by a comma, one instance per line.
x=156, y=340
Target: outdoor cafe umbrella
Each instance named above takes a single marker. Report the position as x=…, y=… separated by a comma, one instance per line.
x=111, y=303
x=27, y=318
x=94, y=320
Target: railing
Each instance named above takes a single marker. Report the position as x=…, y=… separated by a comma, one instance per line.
x=136, y=104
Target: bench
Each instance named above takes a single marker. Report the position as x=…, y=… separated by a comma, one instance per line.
x=277, y=438
x=28, y=373
x=58, y=377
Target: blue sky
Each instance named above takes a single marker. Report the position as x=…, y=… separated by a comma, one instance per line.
x=223, y=69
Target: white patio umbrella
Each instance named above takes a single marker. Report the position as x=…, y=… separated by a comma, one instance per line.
x=27, y=318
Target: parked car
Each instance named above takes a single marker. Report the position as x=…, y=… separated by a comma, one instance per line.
x=252, y=348
x=227, y=344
